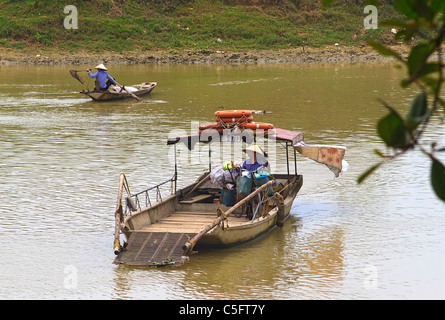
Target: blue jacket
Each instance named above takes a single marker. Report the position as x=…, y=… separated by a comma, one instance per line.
x=102, y=77
x=248, y=165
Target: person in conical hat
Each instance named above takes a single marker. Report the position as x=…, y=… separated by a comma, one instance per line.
x=101, y=67
x=103, y=79
x=257, y=158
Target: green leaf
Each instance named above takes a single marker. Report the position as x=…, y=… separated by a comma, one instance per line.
x=404, y=83
x=384, y=50
x=429, y=67
x=438, y=6
x=438, y=178
x=408, y=32
x=391, y=129
x=364, y=175
x=419, y=106
x=423, y=9
x=393, y=23
x=418, y=56
x=418, y=111
x=405, y=8
x=431, y=82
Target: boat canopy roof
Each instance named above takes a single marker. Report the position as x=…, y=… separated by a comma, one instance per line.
x=209, y=136
x=331, y=156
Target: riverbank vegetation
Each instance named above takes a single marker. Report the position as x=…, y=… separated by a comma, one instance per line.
x=178, y=25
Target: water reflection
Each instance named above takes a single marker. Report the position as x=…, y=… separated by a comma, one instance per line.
x=278, y=266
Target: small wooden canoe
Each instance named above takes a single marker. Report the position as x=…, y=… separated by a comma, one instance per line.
x=116, y=93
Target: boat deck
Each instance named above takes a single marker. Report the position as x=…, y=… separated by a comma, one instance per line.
x=160, y=243
x=159, y=233
x=153, y=249
x=189, y=222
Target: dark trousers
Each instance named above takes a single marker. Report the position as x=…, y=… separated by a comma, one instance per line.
x=97, y=88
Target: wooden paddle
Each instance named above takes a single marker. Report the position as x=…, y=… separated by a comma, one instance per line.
x=130, y=93
x=61, y=93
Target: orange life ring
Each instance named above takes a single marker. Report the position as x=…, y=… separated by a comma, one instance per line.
x=233, y=113
x=257, y=125
x=235, y=119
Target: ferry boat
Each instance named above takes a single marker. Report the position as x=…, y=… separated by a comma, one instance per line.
x=208, y=212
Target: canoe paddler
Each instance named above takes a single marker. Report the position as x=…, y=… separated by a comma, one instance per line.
x=103, y=79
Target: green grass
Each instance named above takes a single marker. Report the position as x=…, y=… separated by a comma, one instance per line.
x=119, y=25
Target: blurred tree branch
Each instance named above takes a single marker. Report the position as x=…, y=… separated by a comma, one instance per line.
x=424, y=65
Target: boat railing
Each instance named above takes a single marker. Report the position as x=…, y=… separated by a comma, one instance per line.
x=147, y=197
x=133, y=205
x=119, y=213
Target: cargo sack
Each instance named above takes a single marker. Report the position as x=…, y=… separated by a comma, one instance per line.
x=230, y=176
x=228, y=197
x=244, y=184
x=217, y=176
x=262, y=176
x=259, y=181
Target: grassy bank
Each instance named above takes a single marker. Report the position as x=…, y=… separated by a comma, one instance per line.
x=176, y=26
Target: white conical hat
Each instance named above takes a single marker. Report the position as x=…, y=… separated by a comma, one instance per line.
x=101, y=66
x=256, y=149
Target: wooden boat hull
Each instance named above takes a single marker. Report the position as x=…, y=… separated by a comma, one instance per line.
x=160, y=227
x=236, y=235
x=143, y=89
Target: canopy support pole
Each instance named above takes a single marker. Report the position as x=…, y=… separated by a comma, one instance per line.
x=210, y=158
x=287, y=158
x=176, y=169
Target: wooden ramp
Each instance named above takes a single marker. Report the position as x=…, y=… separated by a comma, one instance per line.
x=154, y=249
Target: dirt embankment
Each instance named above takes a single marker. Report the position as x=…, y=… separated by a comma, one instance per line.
x=300, y=55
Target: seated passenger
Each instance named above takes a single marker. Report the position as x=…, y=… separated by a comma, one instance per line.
x=257, y=158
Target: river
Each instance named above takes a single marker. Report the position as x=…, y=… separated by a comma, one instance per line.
x=61, y=156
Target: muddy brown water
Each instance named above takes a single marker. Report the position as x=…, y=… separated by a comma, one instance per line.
x=60, y=159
